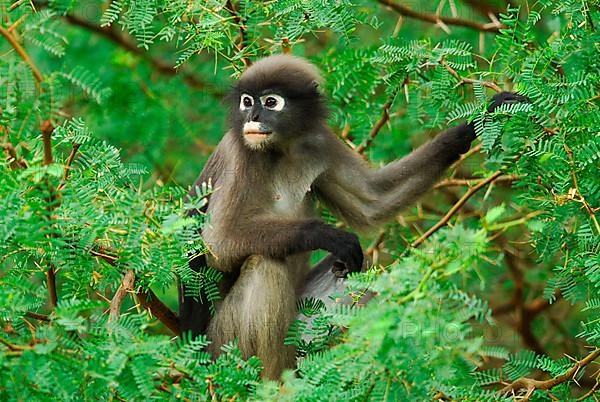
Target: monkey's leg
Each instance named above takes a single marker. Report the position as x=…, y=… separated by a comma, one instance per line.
x=258, y=311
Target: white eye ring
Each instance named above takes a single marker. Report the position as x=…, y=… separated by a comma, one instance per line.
x=246, y=102
x=272, y=102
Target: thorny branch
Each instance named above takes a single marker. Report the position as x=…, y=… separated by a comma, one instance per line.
x=464, y=80
x=67, y=168
x=148, y=299
x=455, y=208
x=441, y=20
x=47, y=128
x=23, y=54
x=529, y=385
x=385, y=116
x=471, y=182
x=578, y=196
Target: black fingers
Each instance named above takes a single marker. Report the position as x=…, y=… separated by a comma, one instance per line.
x=506, y=97
x=346, y=247
x=339, y=269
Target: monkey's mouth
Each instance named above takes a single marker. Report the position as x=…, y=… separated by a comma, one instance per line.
x=255, y=133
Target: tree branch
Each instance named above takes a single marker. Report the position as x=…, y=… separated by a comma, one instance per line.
x=70, y=159
x=117, y=300
x=36, y=316
x=147, y=299
x=47, y=128
x=471, y=182
x=158, y=65
x=455, y=208
x=385, y=117
x=158, y=309
x=530, y=384
x=464, y=80
x=435, y=19
x=23, y=54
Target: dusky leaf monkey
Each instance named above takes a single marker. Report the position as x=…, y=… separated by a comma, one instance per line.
x=277, y=158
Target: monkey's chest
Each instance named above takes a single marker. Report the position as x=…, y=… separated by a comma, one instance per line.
x=289, y=193
x=288, y=203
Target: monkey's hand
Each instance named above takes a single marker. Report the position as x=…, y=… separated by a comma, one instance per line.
x=459, y=138
x=504, y=98
x=346, y=247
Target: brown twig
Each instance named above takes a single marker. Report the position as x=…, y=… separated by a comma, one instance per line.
x=36, y=316
x=464, y=80
x=530, y=384
x=158, y=65
x=23, y=54
x=158, y=309
x=533, y=308
x=67, y=168
x=14, y=347
x=455, y=208
x=471, y=182
x=580, y=198
x=47, y=128
x=435, y=19
x=147, y=299
x=117, y=300
x=385, y=117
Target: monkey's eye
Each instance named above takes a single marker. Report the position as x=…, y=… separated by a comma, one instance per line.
x=272, y=102
x=246, y=101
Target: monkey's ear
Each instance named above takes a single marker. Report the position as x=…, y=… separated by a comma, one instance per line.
x=316, y=85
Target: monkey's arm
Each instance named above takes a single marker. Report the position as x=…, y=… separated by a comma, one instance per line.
x=365, y=197
x=277, y=238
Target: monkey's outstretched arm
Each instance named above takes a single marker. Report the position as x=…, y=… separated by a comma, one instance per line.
x=365, y=197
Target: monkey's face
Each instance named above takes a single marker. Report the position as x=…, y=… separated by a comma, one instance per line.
x=261, y=115
x=274, y=118
x=276, y=102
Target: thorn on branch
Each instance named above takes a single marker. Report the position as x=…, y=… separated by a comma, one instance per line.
x=70, y=159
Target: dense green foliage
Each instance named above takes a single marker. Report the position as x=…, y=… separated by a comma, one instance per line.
x=108, y=111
